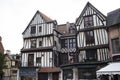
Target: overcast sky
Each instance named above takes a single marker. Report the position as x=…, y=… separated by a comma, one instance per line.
x=16, y=14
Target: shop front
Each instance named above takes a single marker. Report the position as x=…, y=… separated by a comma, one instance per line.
x=80, y=71
x=48, y=73
x=27, y=74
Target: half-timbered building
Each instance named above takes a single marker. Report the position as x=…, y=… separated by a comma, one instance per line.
x=37, y=53
x=92, y=45
x=71, y=51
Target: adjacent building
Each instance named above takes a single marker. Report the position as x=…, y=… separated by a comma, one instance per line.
x=12, y=63
x=67, y=40
x=112, y=70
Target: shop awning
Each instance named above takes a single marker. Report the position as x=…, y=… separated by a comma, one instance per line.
x=110, y=69
x=48, y=69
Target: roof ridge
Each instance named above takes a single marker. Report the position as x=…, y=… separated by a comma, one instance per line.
x=46, y=18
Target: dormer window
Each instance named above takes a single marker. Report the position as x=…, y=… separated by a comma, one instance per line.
x=71, y=30
x=88, y=21
x=33, y=30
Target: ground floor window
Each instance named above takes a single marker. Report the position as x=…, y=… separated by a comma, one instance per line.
x=86, y=73
x=42, y=76
x=104, y=77
x=68, y=74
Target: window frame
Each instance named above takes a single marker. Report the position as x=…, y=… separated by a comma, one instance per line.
x=14, y=71
x=87, y=73
x=68, y=74
x=64, y=43
x=33, y=44
x=89, y=35
x=115, y=47
x=38, y=60
x=88, y=19
x=40, y=28
x=40, y=43
x=72, y=43
x=91, y=55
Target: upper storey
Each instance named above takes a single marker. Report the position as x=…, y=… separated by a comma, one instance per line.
x=90, y=17
x=40, y=25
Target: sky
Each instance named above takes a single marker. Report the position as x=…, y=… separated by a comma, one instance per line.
x=15, y=15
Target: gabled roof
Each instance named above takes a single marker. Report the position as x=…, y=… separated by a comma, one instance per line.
x=11, y=56
x=44, y=17
x=94, y=9
x=63, y=27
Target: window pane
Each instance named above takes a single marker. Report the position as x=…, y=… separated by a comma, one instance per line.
x=64, y=58
x=88, y=21
x=72, y=43
x=40, y=28
x=14, y=71
x=86, y=18
x=33, y=29
x=74, y=40
x=38, y=60
x=87, y=74
x=91, y=55
x=71, y=30
x=89, y=37
x=33, y=43
x=68, y=74
x=40, y=43
x=64, y=43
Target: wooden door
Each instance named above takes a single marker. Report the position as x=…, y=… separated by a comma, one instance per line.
x=42, y=76
x=55, y=76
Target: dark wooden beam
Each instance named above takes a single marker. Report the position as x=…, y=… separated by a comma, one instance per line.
x=47, y=35
x=94, y=47
x=92, y=28
x=37, y=49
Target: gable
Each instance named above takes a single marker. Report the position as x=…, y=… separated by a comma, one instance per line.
x=38, y=18
x=90, y=10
